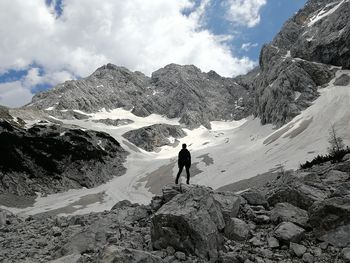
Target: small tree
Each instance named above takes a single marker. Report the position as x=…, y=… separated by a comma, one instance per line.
x=336, y=142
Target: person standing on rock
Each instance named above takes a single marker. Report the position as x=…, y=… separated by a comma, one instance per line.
x=184, y=160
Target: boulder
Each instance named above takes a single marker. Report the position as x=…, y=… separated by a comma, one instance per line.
x=338, y=237
x=288, y=232
x=229, y=204
x=189, y=222
x=117, y=254
x=289, y=213
x=298, y=250
x=330, y=213
x=346, y=254
x=298, y=194
x=125, y=211
x=308, y=258
x=237, y=229
x=273, y=242
x=254, y=197
x=334, y=176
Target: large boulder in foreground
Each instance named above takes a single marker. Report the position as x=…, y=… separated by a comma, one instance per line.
x=190, y=222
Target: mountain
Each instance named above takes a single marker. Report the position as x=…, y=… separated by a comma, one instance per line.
x=174, y=91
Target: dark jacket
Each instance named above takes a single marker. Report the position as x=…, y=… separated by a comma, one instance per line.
x=184, y=158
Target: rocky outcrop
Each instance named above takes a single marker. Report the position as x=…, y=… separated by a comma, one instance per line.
x=197, y=224
x=49, y=158
x=114, y=122
x=151, y=137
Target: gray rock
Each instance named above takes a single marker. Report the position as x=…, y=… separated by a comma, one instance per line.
x=298, y=194
x=289, y=232
x=230, y=257
x=189, y=222
x=342, y=80
x=56, y=231
x=229, y=204
x=151, y=137
x=254, y=197
x=336, y=176
x=346, y=254
x=289, y=213
x=180, y=256
x=273, y=242
x=237, y=229
x=330, y=213
x=298, y=250
x=308, y=258
x=338, y=237
x=170, y=250
x=255, y=241
x=117, y=254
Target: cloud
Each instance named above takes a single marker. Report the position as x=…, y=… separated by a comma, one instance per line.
x=248, y=46
x=140, y=35
x=13, y=94
x=244, y=12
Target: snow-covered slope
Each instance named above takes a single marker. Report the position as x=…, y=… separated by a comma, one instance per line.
x=230, y=152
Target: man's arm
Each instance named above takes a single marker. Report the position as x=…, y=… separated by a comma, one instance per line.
x=189, y=158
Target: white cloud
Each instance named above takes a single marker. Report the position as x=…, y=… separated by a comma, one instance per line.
x=138, y=34
x=244, y=12
x=248, y=46
x=13, y=94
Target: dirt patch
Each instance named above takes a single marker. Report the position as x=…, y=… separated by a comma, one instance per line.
x=206, y=159
x=164, y=176
x=82, y=203
x=254, y=182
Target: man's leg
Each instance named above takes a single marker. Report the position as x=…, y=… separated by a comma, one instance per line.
x=178, y=174
x=188, y=174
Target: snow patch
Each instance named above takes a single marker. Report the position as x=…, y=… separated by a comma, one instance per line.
x=324, y=13
x=50, y=108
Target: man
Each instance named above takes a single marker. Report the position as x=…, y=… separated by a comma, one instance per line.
x=184, y=160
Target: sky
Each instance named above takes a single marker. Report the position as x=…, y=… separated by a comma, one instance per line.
x=46, y=42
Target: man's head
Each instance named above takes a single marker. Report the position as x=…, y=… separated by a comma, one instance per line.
x=184, y=146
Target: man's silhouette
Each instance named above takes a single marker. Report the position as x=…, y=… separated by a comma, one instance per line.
x=184, y=160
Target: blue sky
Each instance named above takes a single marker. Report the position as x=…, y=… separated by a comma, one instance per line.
x=49, y=41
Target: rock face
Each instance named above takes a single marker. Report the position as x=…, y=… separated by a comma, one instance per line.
x=174, y=91
x=49, y=158
x=151, y=137
x=298, y=60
